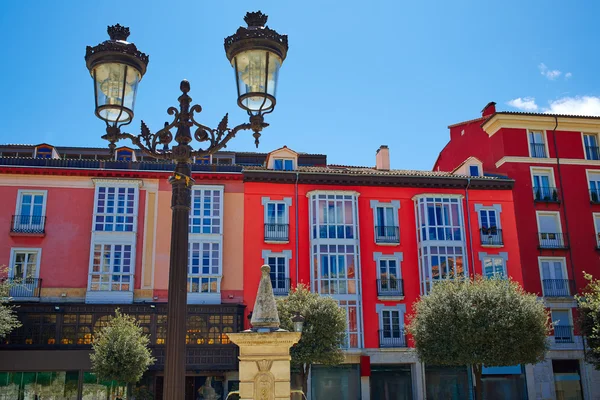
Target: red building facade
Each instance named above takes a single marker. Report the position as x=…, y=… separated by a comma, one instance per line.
x=555, y=163
x=375, y=239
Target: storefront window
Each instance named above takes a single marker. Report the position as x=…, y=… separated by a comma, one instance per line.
x=391, y=382
x=448, y=383
x=342, y=382
x=59, y=385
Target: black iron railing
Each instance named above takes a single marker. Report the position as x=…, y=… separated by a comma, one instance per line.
x=595, y=196
x=592, y=153
x=552, y=240
x=558, y=287
x=392, y=338
x=281, y=286
x=546, y=194
x=491, y=236
x=24, y=287
x=390, y=287
x=387, y=234
x=563, y=333
x=28, y=224
x=277, y=232
x=538, y=150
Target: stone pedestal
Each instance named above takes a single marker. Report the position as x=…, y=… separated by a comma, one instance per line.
x=265, y=364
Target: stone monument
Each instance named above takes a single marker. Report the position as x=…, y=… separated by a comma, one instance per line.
x=265, y=349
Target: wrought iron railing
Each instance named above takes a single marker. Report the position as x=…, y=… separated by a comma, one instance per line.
x=546, y=194
x=563, y=333
x=558, y=287
x=387, y=234
x=538, y=150
x=592, y=153
x=281, y=286
x=491, y=236
x=595, y=196
x=552, y=240
x=28, y=224
x=392, y=338
x=24, y=287
x=390, y=287
x=277, y=232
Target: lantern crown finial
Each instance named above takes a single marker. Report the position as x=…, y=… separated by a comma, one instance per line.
x=256, y=19
x=118, y=32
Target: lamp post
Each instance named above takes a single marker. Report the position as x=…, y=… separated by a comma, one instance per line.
x=256, y=53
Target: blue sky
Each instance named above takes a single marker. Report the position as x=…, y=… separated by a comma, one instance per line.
x=358, y=74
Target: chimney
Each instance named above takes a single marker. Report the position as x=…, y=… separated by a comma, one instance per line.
x=489, y=109
x=382, y=158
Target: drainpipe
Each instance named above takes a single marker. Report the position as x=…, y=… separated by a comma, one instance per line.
x=560, y=182
x=469, y=226
x=297, y=227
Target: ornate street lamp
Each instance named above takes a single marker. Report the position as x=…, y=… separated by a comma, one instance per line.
x=298, y=321
x=117, y=66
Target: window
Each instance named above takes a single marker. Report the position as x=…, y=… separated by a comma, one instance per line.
x=112, y=268
x=493, y=266
x=474, y=170
x=543, y=185
x=555, y=281
x=276, y=219
x=24, y=264
x=207, y=208
x=385, y=216
x=115, y=208
x=597, y=228
x=550, y=233
x=537, y=145
x=440, y=219
x=279, y=274
x=335, y=269
x=441, y=262
x=204, y=267
x=202, y=160
x=590, y=143
x=223, y=160
x=389, y=274
x=563, y=330
x=43, y=152
x=333, y=217
x=392, y=328
x=489, y=224
x=283, y=164
x=31, y=210
x=124, y=155
x=353, y=332
x=594, y=183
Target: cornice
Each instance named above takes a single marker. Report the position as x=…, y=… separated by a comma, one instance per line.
x=540, y=122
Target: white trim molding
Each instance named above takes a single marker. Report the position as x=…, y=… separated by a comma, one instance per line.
x=118, y=182
x=395, y=206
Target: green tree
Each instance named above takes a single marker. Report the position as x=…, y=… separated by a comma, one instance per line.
x=8, y=318
x=491, y=322
x=120, y=351
x=324, y=329
x=589, y=318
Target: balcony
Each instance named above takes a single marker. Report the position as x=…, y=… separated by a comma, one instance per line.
x=592, y=153
x=563, y=334
x=25, y=288
x=538, y=150
x=546, y=194
x=552, y=240
x=277, y=233
x=28, y=225
x=390, y=287
x=558, y=287
x=281, y=286
x=491, y=236
x=387, y=235
x=392, y=338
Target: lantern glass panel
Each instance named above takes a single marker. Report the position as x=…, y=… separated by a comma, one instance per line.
x=114, y=104
x=256, y=77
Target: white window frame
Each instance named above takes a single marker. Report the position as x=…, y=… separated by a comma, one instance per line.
x=398, y=258
x=132, y=265
x=287, y=202
x=135, y=184
x=219, y=188
x=479, y=171
x=401, y=309
x=287, y=256
x=583, y=135
x=216, y=157
x=502, y=255
x=15, y=250
x=556, y=215
x=549, y=171
x=596, y=217
x=20, y=194
x=497, y=208
x=283, y=160
x=571, y=325
x=395, y=206
x=544, y=137
x=588, y=173
x=562, y=260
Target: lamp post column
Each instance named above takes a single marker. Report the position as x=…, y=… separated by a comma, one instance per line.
x=181, y=183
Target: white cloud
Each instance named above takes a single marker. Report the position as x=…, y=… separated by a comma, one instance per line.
x=580, y=105
x=551, y=74
x=523, y=103
x=568, y=75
